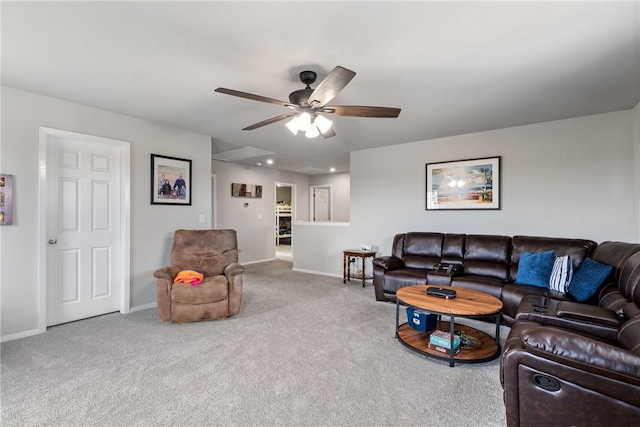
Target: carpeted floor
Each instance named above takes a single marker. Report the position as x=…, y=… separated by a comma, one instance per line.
x=306, y=350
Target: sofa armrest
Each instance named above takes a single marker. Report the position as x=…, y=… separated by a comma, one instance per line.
x=582, y=352
x=233, y=273
x=591, y=321
x=165, y=278
x=167, y=273
x=233, y=269
x=388, y=262
x=588, y=313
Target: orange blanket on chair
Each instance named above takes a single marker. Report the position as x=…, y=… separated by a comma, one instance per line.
x=189, y=276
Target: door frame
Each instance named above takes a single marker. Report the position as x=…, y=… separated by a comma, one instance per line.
x=125, y=216
x=293, y=210
x=312, y=201
x=214, y=201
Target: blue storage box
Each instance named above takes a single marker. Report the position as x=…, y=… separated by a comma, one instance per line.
x=421, y=320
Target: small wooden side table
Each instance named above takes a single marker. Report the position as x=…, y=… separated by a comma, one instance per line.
x=346, y=263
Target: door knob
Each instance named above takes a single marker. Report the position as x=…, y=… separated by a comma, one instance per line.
x=53, y=241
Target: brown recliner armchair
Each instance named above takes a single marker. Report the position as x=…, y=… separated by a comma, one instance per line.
x=215, y=254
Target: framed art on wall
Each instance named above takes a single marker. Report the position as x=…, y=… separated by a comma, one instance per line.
x=463, y=184
x=170, y=180
x=246, y=190
x=6, y=199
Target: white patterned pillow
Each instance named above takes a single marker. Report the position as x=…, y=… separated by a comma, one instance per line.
x=561, y=274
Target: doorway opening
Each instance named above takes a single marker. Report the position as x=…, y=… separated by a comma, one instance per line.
x=285, y=216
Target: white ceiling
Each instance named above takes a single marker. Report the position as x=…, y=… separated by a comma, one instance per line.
x=453, y=67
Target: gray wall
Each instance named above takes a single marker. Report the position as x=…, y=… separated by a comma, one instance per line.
x=152, y=226
x=256, y=223
x=568, y=178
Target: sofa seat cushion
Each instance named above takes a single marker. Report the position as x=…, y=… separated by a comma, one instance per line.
x=396, y=279
x=212, y=289
x=489, y=285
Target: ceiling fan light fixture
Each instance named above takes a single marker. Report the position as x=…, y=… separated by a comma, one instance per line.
x=312, y=132
x=322, y=123
x=303, y=121
x=292, y=125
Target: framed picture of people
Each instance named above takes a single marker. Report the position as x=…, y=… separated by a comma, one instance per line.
x=170, y=180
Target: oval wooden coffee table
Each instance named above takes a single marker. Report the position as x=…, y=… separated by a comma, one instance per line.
x=467, y=303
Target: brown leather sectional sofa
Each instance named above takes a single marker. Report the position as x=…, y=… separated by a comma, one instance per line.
x=564, y=362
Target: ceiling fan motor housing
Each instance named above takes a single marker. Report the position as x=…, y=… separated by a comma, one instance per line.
x=300, y=97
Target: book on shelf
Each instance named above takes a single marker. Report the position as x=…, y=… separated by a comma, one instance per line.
x=443, y=339
x=441, y=349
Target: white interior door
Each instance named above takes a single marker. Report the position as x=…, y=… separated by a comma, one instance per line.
x=84, y=267
x=321, y=203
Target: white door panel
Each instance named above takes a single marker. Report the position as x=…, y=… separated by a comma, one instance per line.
x=83, y=225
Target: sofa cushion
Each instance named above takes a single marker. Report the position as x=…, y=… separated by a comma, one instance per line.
x=535, y=269
x=588, y=278
x=396, y=279
x=489, y=285
x=212, y=288
x=561, y=274
x=422, y=250
x=487, y=255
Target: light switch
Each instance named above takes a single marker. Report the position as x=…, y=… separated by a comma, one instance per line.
x=259, y=216
x=202, y=219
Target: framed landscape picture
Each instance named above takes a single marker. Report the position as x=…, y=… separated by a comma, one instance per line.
x=170, y=180
x=463, y=184
x=6, y=199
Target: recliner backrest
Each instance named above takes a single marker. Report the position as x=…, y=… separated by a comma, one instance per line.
x=422, y=249
x=487, y=255
x=207, y=250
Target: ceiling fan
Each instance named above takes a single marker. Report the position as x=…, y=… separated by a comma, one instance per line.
x=310, y=105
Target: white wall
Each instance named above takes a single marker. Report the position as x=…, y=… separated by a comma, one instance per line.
x=152, y=226
x=340, y=193
x=256, y=236
x=568, y=178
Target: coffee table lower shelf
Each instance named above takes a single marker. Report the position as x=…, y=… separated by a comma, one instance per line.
x=418, y=341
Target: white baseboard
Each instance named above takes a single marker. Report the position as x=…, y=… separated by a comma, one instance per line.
x=19, y=335
x=319, y=273
x=143, y=307
x=257, y=262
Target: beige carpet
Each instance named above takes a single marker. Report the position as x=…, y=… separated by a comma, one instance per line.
x=306, y=350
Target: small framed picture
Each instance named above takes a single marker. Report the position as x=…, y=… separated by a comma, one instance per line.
x=170, y=180
x=6, y=199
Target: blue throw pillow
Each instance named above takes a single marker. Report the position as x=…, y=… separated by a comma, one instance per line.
x=588, y=278
x=535, y=269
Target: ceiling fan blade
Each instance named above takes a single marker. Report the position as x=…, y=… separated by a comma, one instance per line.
x=269, y=121
x=328, y=134
x=361, y=111
x=252, y=97
x=328, y=88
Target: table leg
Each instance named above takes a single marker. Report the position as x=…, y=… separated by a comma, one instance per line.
x=498, y=318
x=363, y=275
x=452, y=336
x=397, y=316
x=344, y=268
